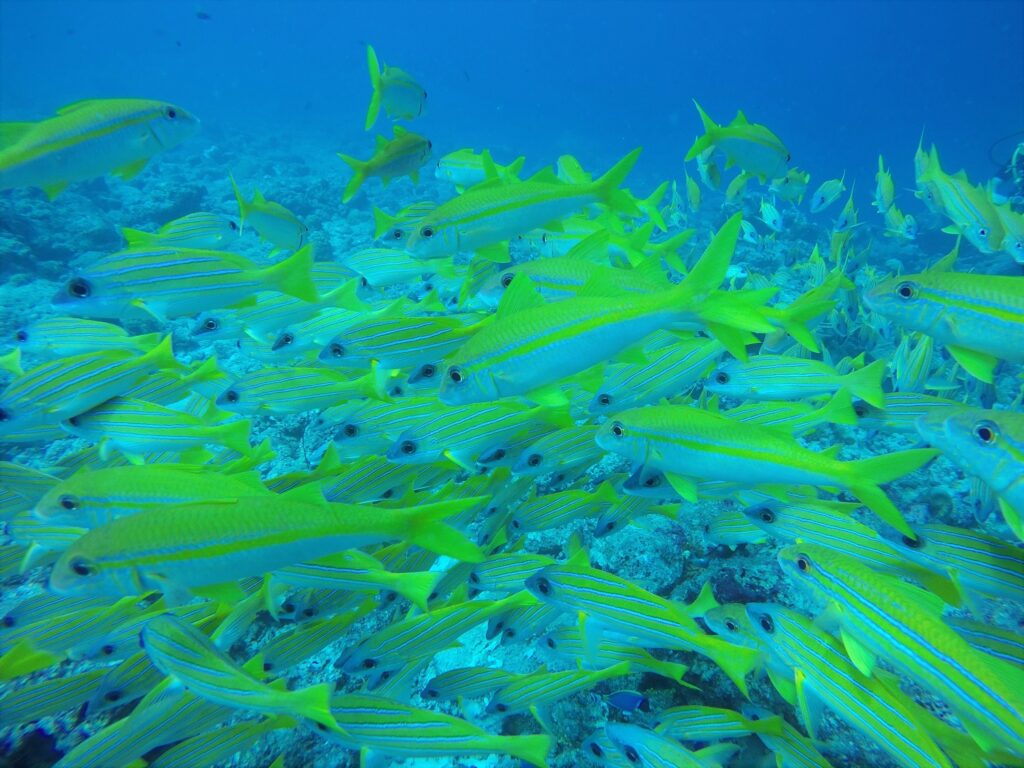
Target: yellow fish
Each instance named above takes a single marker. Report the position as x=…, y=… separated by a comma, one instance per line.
x=87, y=139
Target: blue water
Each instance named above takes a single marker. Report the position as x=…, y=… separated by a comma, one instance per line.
x=280, y=87
x=839, y=82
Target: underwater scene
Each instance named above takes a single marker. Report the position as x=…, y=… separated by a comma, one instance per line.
x=509, y=384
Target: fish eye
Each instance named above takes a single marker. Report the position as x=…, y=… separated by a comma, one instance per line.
x=337, y=350
x=501, y=707
x=79, y=288
x=285, y=340
x=860, y=410
x=767, y=624
x=609, y=526
x=721, y=377
x=631, y=754
x=288, y=607
x=515, y=523
x=427, y=232
x=231, y=396
x=912, y=543
x=498, y=455
x=82, y=567
x=108, y=649
x=364, y=282
x=369, y=663
x=21, y=336
x=766, y=515
x=8, y=621
x=112, y=696
x=234, y=227
x=431, y=693
x=5, y=415
x=506, y=279
x=731, y=625
x=428, y=371
x=170, y=113
x=211, y=324
x=803, y=564
x=397, y=391
x=534, y=460
x=653, y=481
x=986, y=432
x=350, y=430
x=982, y=232
x=73, y=421
x=788, y=158
x=408, y=447
x=543, y=586
x=267, y=666
x=604, y=399
x=396, y=234
x=595, y=749
x=69, y=502
x=550, y=642
x=455, y=375
x=474, y=578
x=617, y=429
x=430, y=144
x=307, y=612
x=906, y=290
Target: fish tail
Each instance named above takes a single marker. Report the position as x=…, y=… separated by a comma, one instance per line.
x=736, y=661
x=358, y=177
x=870, y=473
x=243, y=207
x=839, y=410
x=416, y=587
x=235, y=436
x=314, y=703
x=136, y=238
x=162, y=355
x=705, y=141
x=292, y=276
x=374, y=66
x=709, y=271
x=607, y=187
x=866, y=383
x=382, y=221
x=794, y=318
x=532, y=749
x=426, y=530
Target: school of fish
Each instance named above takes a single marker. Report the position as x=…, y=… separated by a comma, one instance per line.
x=486, y=396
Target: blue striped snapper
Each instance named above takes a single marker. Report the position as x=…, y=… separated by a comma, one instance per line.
x=62, y=336
x=386, y=726
x=290, y=389
x=883, y=617
x=979, y=564
x=537, y=690
x=137, y=427
x=68, y=386
x=776, y=377
x=172, y=282
x=202, y=230
x=271, y=220
x=810, y=670
x=615, y=605
x=179, y=650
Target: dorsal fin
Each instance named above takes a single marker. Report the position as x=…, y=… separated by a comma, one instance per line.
x=520, y=294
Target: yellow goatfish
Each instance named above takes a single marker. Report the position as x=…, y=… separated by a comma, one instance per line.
x=87, y=139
